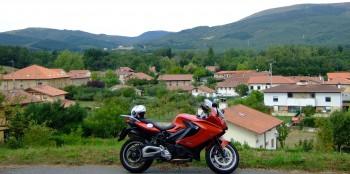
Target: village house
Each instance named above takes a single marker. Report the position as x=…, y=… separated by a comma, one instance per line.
x=140, y=75
x=307, y=80
x=203, y=91
x=290, y=99
x=79, y=77
x=177, y=81
x=50, y=94
x=238, y=74
x=123, y=73
x=338, y=75
x=226, y=88
x=264, y=82
x=212, y=69
x=251, y=127
x=33, y=76
x=19, y=97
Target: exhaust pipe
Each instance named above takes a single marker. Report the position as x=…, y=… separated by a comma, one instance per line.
x=154, y=151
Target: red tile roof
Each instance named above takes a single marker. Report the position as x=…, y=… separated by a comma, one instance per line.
x=309, y=79
x=124, y=70
x=141, y=75
x=48, y=90
x=34, y=72
x=251, y=119
x=175, y=77
x=337, y=81
x=268, y=79
x=205, y=89
x=187, y=88
x=212, y=68
x=232, y=82
x=19, y=97
x=338, y=75
x=79, y=74
x=304, y=88
x=235, y=72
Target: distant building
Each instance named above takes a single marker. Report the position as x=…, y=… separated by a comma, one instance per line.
x=290, y=99
x=123, y=73
x=227, y=87
x=177, y=81
x=19, y=97
x=140, y=75
x=33, y=76
x=79, y=77
x=251, y=127
x=338, y=75
x=307, y=80
x=212, y=68
x=47, y=93
x=264, y=82
x=238, y=74
x=203, y=91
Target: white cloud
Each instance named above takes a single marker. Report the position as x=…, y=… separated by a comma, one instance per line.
x=130, y=17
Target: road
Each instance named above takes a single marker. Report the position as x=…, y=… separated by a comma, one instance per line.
x=90, y=169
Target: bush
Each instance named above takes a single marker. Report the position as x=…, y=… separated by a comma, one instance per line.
x=305, y=145
x=38, y=135
x=14, y=143
x=56, y=116
x=309, y=111
x=106, y=121
x=95, y=84
x=308, y=122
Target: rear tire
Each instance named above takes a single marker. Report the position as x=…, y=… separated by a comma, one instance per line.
x=131, y=156
x=219, y=164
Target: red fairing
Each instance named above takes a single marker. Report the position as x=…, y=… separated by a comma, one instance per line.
x=209, y=128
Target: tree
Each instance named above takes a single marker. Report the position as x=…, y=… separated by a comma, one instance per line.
x=309, y=111
x=254, y=100
x=283, y=132
x=324, y=135
x=106, y=121
x=341, y=129
x=242, y=89
x=69, y=60
x=110, y=78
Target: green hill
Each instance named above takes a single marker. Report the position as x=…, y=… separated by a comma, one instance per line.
x=310, y=24
x=326, y=24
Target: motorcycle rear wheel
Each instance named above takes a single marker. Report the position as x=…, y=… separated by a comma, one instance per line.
x=222, y=164
x=131, y=156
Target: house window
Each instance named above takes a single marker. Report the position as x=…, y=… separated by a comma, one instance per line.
x=290, y=95
x=275, y=99
x=328, y=99
x=251, y=87
x=259, y=87
x=40, y=83
x=272, y=143
x=312, y=95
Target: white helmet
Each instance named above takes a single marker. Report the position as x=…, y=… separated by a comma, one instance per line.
x=138, y=111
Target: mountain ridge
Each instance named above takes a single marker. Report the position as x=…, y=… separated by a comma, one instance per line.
x=309, y=24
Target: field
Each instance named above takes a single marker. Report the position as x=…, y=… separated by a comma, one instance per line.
x=106, y=152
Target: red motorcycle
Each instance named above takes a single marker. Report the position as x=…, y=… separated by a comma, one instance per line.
x=182, y=141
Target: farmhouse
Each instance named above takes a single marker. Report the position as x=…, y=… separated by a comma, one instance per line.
x=33, y=76
x=79, y=77
x=290, y=99
x=203, y=91
x=227, y=87
x=177, y=81
x=251, y=127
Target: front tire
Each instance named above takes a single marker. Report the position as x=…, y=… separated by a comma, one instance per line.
x=220, y=164
x=131, y=156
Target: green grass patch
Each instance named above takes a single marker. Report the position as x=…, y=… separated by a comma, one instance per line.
x=106, y=152
x=285, y=119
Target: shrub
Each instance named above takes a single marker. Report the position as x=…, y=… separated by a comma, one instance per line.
x=96, y=84
x=309, y=111
x=106, y=121
x=308, y=122
x=38, y=135
x=305, y=145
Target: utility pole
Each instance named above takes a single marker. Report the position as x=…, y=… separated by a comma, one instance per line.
x=270, y=74
x=13, y=78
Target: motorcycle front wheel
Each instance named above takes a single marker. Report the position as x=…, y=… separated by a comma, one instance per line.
x=219, y=163
x=131, y=156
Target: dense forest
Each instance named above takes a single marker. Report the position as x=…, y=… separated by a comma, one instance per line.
x=286, y=60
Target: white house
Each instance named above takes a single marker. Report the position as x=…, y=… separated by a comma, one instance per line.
x=251, y=127
x=227, y=87
x=264, y=82
x=286, y=99
x=203, y=91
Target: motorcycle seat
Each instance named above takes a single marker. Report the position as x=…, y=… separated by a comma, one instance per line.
x=158, y=126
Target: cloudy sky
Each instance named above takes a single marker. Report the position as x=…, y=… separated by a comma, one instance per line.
x=130, y=17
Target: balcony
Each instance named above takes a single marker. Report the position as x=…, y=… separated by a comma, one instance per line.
x=301, y=102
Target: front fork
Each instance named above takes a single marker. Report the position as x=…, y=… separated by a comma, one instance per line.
x=221, y=144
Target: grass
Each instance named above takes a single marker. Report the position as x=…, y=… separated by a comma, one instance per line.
x=296, y=135
x=106, y=152
x=285, y=119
